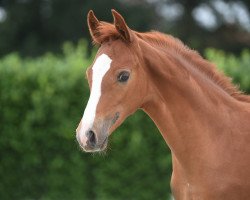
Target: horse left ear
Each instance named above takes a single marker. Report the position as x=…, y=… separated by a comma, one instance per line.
x=93, y=24
x=122, y=27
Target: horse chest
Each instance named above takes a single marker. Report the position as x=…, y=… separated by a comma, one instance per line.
x=207, y=189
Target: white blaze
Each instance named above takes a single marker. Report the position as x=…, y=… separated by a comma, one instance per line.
x=99, y=69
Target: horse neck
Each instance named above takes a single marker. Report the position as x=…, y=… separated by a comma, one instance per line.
x=188, y=108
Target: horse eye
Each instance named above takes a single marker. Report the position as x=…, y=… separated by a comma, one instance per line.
x=123, y=76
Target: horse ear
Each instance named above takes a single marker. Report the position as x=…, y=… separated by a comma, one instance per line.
x=121, y=26
x=93, y=24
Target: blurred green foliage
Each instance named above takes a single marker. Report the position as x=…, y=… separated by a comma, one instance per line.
x=33, y=27
x=236, y=67
x=41, y=103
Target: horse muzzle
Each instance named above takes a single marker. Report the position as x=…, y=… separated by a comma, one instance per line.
x=93, y=138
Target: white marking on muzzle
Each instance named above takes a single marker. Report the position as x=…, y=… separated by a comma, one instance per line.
x=99, y=69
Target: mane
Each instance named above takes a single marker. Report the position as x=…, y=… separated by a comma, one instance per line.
x=203, y=65
x=107, y=31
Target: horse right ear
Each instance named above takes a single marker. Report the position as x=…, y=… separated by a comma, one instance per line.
x=93, y=24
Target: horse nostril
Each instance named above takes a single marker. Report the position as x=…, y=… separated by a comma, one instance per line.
x=91, y=138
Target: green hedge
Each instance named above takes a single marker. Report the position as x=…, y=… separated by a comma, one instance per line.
x=236, y=67
x=41, y=103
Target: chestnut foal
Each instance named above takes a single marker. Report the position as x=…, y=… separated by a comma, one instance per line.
x=202, y=117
